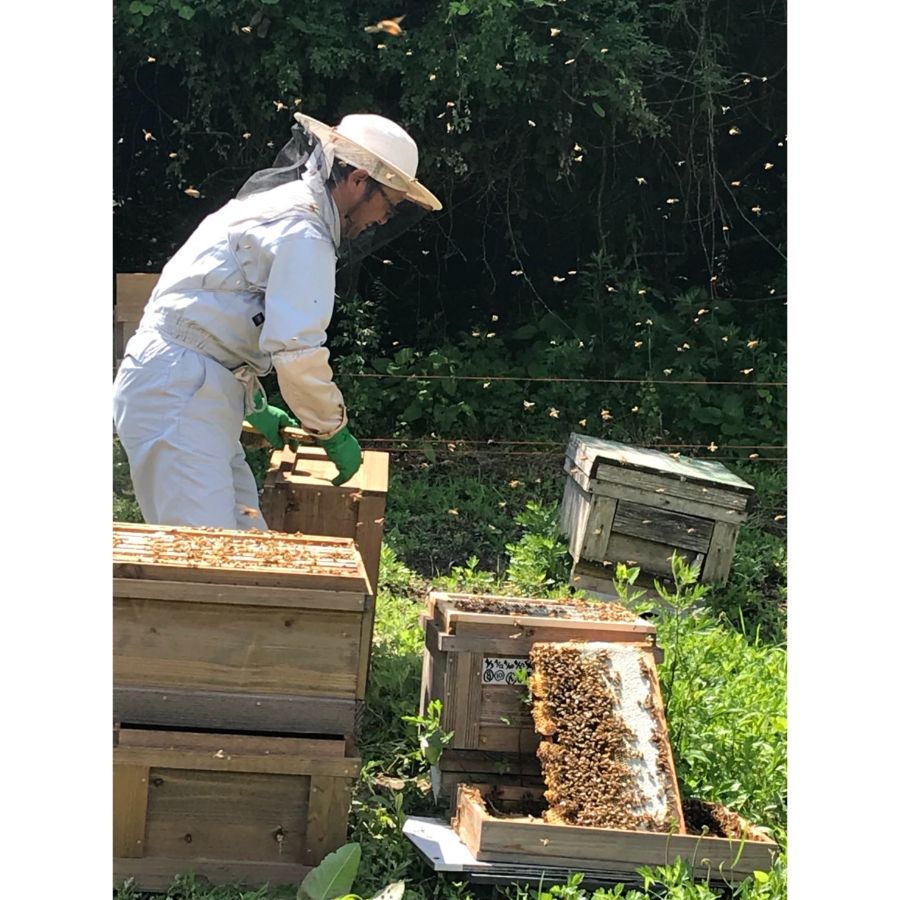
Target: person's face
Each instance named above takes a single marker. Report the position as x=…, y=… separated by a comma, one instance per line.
x=363, y=202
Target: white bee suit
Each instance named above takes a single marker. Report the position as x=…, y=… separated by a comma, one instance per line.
x=252, y=289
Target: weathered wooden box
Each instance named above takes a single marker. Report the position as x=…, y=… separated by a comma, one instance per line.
x=234, y=808
x=518, y=835
x=132, y=293
x=476, y=657
x=237, y=630
x=298, y=496
x=636, y=506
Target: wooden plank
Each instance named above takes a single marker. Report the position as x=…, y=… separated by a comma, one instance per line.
x=573, y=514
x=253, y=744
x=130, y=786
x=133, y=290
x=652, y=557
x=721, y=553
x=591, y=454
x=240, y=595
x=465, y=692
x=205, y=761
x=366, y=630
x=220, y=815
x=662, y=526
x=520, y=839
x=511, y=740
x=329, y=806
x=244, y=711
x=599, y=527
x=273, y=505
x=193, y=646
x=158, y=874
x=661, y=500
x=369, y=530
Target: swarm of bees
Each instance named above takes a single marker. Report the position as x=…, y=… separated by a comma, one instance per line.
x=588, y=752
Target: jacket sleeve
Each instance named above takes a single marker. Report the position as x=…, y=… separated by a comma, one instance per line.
x=298, y=307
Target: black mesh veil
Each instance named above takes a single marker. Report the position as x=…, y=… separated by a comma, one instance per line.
x=305, y=158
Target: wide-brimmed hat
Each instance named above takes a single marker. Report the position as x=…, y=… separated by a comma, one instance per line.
x=379, y=146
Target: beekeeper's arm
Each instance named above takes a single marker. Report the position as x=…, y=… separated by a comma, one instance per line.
x=299, y=304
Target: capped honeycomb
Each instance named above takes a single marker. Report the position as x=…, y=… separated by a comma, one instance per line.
x=604, y=752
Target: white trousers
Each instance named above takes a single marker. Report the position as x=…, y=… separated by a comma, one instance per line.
x=178, y=415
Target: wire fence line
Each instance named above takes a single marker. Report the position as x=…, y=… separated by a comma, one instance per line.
x=549, y=379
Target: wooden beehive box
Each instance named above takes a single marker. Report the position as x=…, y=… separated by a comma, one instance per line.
x=298, y=496
x=132, y=293
x=235, y=808
x=518, y=835
x=476, y=652
x=239, y=630
x=636, y=506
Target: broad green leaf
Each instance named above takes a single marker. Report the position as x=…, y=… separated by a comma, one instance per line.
x=334, y=876
x=599, y=110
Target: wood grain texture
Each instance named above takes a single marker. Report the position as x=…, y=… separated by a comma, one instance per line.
x=248, y=649
x=721, y=553
x=661, y=526
x=244, y=711
x=329, y=807
x=660, y=498
x=130, y=787
x=532, y=840
x=599, y=527
x=247, y=804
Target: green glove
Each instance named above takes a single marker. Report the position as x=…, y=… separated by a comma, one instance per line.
x=269, y=423
x=343, y=450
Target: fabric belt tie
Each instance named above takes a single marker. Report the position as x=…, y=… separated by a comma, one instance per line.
x=252, y=389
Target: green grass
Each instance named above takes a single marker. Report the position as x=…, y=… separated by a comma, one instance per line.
x=724, y=671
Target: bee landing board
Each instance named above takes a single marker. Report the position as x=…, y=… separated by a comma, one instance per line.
x=636, y=506
x=235, y=808
x=605, y=752
x=298, y=497
x=237, y=630
x=476, y=660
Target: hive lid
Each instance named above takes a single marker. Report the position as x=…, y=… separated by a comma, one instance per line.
x=237, y=557
x=590, y=454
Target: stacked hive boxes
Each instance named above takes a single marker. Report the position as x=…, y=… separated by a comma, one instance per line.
x=476, y=663
x=240, y=663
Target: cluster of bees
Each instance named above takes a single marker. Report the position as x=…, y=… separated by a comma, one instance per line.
x=588, y=748
x=572, y=608
x=219, y=548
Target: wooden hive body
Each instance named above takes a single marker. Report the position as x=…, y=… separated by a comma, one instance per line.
x=474, y=662
x=636, y=506
x=234, y=808
x=298, y=497
x=239, y=630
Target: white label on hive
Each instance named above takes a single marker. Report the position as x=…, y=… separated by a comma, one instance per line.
x=501, y=670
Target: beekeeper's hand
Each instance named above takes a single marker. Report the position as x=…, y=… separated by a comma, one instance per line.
x=269, y=423
x=343, y=450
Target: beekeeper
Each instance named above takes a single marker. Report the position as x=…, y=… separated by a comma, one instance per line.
x=253, y=289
